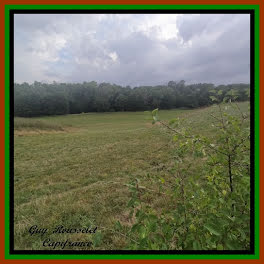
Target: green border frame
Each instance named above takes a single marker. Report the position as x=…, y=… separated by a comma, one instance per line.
x=7, y=135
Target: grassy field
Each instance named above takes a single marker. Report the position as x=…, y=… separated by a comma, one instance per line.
x=72, y=170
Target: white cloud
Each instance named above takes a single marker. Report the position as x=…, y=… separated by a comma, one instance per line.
x=132, y=49
x=113, y=56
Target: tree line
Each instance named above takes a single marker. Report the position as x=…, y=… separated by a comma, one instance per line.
x=40, y=99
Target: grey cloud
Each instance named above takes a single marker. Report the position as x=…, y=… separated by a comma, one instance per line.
x=208, y=48
x=133, y=48
x=225, y=60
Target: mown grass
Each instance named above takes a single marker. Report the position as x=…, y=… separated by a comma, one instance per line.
x=33, y=124
x=79, y=177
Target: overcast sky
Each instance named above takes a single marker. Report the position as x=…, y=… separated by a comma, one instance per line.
x=132, y=49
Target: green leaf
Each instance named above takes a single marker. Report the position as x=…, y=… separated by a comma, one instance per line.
x=135, y=227
x=248, y=92
x=97, y=238
x=154, y=112
x=131, y=202
x=213, y=98
x=232, y=244
x=118, y=226
x=158, y=238
x=175, y=138
x=196, y=245
x=142, y=231
x=221, y=201
x=219, y=247
x=212, y=229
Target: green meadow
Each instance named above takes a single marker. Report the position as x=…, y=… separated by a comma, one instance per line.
x=73, y=170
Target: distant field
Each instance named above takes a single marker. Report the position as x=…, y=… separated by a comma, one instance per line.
x=72, y=169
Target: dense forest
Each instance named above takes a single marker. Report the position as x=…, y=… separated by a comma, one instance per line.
x=40, y=99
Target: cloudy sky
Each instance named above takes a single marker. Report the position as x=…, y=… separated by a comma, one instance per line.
x=132, y=49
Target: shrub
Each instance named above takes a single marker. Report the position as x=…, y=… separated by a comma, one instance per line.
x=211, y=205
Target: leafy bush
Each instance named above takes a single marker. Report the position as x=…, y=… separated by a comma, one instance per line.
x=210, y=206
